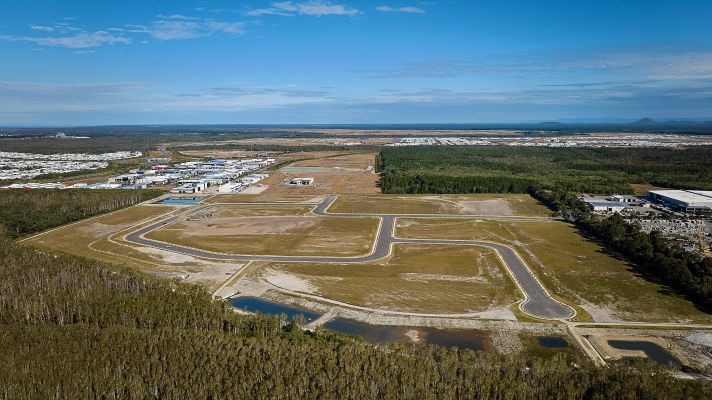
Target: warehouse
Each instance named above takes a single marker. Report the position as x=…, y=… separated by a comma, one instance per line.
x=689, y=201
x=604, y=206
x=301, y=181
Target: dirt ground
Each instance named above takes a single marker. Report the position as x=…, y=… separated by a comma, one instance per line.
x=416, y=278
x=350, y=173
x=476, y=204
x=692, y=347
x=572, y=267
x=280, y=234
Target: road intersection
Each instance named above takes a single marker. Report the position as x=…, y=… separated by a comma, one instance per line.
x=537, y=300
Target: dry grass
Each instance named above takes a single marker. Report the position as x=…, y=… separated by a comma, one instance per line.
x=100, y=238
x=574, y=268
x=77, y=239
x=479, y=204
x=343, y=173
x=256, y=210
x=282, y=235
x=416, y=278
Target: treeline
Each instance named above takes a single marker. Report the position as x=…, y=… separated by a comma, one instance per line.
x=280, y=148
x=555, y=176
x=504, y=169
x=654, y=256
x=76, y=328
x=23, y=212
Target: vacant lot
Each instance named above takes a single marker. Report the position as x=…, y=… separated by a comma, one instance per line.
x=100, y=238
x=348, y=173
x=90, y=238
x=574, y=268
x=416, y=278
x=478, y=204
x=249, y=210
x=274, y=235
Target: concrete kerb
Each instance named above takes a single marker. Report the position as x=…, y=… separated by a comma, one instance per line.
x=392, y=240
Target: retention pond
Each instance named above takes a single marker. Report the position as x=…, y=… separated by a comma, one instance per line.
x=181, y=201
x=654, y=351
x=254, y=304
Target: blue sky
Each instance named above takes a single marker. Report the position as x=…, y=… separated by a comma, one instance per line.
x=72, y=62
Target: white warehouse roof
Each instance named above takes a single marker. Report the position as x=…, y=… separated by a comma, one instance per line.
x=691, y=198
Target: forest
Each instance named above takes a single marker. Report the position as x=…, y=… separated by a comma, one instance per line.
x=555, y=176
x=506, y=169
x=72, y=327
x=23, y=212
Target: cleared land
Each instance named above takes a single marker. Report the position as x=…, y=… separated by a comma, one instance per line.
x=348, y=173
x=250, y=210
x=281, y=234
x=479, y=204
x=416, y=278
x=100, y=238
x=572, y=267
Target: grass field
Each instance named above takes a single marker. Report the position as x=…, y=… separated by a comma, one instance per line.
x=574, y=268
x=274, y=235
x=256, y=210
x=416, y=278
x=77, y=238
x=293, y=197
x=100, y=238
x=343, y=173
x=480, y=204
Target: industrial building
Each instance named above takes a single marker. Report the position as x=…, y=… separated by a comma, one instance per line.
x=624, y=198
x=604, y=206
x=301, y=181
x=688, y=201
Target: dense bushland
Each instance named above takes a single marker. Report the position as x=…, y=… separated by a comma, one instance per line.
x=23, y=212
x=76, y=328
x=504, y=169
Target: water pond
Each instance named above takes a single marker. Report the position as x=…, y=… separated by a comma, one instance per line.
x=181, y=201
x=254, y=304
x=552, y=342
x=654, y=351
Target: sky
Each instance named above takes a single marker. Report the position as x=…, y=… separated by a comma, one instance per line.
x=79, y=62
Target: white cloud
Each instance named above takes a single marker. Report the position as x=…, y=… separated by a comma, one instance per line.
x=42, y=28
x=182, y=29
x=314, y=7
x=409, y=10
x=81, y=40
x=176, y=16
x=166, y=27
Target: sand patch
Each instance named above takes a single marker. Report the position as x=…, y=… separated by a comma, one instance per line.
x=254, y=189
x=249, y=226
x=98, y=229
x=166, y=256
x=412, y=276
x=413, y=335
x=485, y=207
x=287, y=281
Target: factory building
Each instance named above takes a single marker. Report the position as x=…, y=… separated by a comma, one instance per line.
x=624, y=198
x=688, y=201
x=604, y=206
x=301, y=181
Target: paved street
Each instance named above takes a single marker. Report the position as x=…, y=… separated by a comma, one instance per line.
x=538, y=302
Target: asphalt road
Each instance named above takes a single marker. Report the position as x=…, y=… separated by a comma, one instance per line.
x=538, y=302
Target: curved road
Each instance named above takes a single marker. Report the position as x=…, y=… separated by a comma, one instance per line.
x=538, y=302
